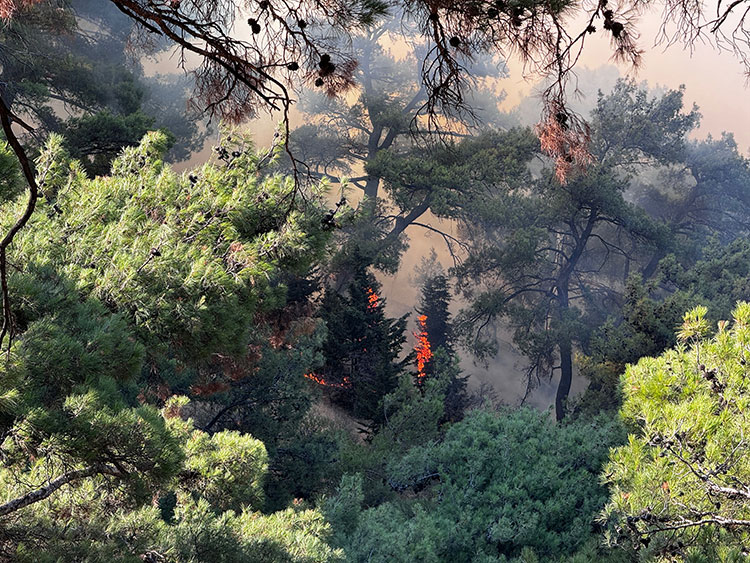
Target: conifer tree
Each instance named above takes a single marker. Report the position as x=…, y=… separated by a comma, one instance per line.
x=51, y=56
x=362, y=348
x=679, y=486
x=433, y=304
x=435, y=325
x=128, y=288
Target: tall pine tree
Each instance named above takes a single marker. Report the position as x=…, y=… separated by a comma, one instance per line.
x=434, y=303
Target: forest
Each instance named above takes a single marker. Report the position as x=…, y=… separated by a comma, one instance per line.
x=306, y=282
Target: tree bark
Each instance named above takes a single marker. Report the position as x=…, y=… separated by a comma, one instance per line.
x=566, y=377
x=6, y=119
x=565, y=343
x=650, y=268
x=565, y=346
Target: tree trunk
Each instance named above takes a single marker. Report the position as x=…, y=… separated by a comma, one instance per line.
x=566, y=377
x=371, y=189
x=650, y=268
x=565, y=346
x=565, y=342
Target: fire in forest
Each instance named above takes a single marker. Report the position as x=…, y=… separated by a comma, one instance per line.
x=423, y=348
x=372, y=302
x=372, y=298
x=320, y=380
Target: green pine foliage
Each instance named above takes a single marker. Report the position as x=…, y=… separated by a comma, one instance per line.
x=413, y=417
x=53, y=58
x=679, y=486
x=132, y=283
x=498, y=487
x=192, y=476
x=171, y=334
x=649, y=315
x=11, y=182
x=97, y=139
x=185, y=257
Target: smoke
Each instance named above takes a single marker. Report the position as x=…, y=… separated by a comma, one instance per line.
x=713, y=79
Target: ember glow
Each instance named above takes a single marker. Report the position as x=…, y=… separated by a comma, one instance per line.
x=423, y=349
x=372, y=298
x=321, y=381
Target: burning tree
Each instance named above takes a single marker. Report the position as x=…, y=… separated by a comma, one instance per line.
x=435, y=354
x=423, y=350
x=362, y=348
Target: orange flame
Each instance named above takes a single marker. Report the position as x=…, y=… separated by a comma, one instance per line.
x=423, y=348
x=372, y=299
x=321, y=381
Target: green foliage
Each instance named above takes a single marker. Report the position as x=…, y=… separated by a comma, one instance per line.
x=629, y=124
x=644, y=326
x=498, y=485
x=703, y=201
x=433, y=304
x=492, y=157
x=362, y=347
x=694, y=325
x=97, y=139
x=343, y=509
x=229, y=467
x=185, y=260
x=678, y=487
x=719, y=279
x=11, y=181
x=649, y=315
x=399, y=185
x=96, y=520
x=172, y=271
x=413, y=417
x=434, y=301
x=131, y=281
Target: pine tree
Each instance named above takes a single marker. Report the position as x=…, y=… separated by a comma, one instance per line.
x=436, y=337
x=134, y=286
x=679, y=485
x=433, y=304
x=362, y=348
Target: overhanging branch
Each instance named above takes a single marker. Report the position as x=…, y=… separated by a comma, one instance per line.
x=7, y=118
x=47, y=490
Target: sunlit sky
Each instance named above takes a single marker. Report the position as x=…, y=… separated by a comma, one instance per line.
x=714, y=79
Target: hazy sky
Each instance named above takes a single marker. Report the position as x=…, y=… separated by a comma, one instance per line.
x=714, y=79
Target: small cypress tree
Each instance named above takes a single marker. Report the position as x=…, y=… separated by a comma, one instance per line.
x=434, y=303
x=436, y=328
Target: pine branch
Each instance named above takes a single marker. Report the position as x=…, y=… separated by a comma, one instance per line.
x=44, y=492
x=7, y=118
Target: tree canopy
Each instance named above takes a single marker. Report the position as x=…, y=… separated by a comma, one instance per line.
x=214, y=361
x=681, y=479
